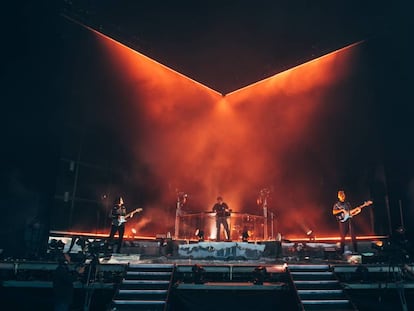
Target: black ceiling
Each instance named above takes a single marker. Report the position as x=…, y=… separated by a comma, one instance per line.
x=230, y=44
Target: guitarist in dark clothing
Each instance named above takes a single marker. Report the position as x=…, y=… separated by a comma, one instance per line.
x=222, y=212
x=342, y=210
x=117, y=212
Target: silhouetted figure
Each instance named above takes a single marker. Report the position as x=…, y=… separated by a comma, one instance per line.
x=118, y=213
x=222, y=212
x=342, y=210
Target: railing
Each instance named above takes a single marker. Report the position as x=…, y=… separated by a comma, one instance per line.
x=169, y=288
x=206, y=221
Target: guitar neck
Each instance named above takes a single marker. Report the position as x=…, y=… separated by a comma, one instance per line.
x=130, y=214
x=355, y=211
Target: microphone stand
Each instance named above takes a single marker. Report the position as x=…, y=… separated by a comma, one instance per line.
x=272, y=225
x=263, y=196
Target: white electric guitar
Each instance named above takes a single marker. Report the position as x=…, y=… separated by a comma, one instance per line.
x=123, y=219
x=343, y=215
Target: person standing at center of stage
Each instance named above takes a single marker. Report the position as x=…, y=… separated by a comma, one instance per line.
x=222, y=212
x=118, y=213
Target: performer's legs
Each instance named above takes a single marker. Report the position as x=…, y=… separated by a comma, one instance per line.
x=114, y=229
x=218, y=229
x=342, y=232
x=353, y=236
x=121, y=231
x=226, y=228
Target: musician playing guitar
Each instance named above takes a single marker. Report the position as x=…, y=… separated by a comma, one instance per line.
x=343, y=212
x=119, y=215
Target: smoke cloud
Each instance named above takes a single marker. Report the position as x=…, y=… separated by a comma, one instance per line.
x=275, y=134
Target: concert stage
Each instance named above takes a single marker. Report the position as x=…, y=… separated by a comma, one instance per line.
x=168, y=274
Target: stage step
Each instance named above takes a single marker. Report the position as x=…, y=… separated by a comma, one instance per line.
x=145, y=284
x=328, y=305
x=316, y=294
x=141, y=294
x=131, y=305
x=150, y=275
x=313, y=275
x=318, y=284
x=318, y=288
x=145, y=287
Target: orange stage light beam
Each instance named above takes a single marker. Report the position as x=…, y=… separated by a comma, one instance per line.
x=319, y=70
x=141, y=55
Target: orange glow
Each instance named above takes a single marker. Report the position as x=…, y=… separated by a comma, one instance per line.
x=297, y=238
x=379, y=243
x=97, y=235
x=318, y=72
x=190, y=137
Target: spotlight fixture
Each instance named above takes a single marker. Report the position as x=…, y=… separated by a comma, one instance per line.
x=56, y=245
x=377, y=245
x=311, y=235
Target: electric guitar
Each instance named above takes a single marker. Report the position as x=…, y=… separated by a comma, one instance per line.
x=343, y=215
x=123, y=219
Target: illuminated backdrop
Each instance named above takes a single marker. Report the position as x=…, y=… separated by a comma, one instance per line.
x=295, y=133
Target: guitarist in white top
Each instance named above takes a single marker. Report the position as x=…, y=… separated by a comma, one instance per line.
x=118, y=210
x=119, y=217
x=343, y=212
